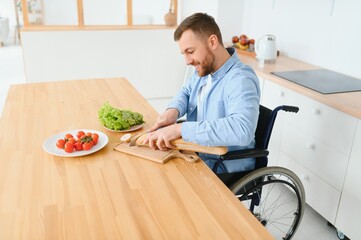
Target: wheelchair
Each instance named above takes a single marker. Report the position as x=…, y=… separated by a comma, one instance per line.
x=274, y=195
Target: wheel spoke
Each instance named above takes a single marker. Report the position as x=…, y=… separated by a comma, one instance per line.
x=281, y=199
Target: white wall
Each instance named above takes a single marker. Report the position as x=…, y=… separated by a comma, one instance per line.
x=316, y=32
x=230, y=19
x=227, y=13
x=188, y=7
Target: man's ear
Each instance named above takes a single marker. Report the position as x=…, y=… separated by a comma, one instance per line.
x=213, y=41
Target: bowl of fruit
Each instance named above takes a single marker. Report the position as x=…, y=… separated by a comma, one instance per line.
x=243, y=43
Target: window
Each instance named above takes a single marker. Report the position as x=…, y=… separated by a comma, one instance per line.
x=105, y=12
x=87, y=13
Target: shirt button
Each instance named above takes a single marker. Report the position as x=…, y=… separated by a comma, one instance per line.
x=191, y=109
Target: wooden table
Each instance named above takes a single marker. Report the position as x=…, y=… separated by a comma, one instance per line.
x=108, y=194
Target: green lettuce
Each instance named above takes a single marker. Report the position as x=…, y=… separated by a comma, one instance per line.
x=118, y=119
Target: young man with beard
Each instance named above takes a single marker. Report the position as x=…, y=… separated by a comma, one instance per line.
x=221, y=99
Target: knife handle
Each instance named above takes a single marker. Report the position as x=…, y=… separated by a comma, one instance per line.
x=180, y=144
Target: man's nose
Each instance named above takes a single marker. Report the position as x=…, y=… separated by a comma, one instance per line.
x=189, y=60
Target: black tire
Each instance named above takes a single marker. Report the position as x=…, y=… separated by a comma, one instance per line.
x=282, y=202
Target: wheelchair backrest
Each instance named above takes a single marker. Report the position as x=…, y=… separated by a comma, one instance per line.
x=262, y=135
x=266, y=120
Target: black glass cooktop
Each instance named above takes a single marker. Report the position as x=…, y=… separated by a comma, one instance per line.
x=322, y=80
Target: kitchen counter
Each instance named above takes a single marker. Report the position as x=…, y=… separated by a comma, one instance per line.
x=320, y=143
x=348, y=103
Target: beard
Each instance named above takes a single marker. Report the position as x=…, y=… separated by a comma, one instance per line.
x=207, y=66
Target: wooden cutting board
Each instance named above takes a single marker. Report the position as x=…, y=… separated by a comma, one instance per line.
x=155, y=155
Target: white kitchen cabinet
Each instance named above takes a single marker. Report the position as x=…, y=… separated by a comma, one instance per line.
x=312, y=153
x=333, y=127
x=274, y=94
x=349, y=212
x=320, y=195
x=327, y=124
x=269, y=100
x=315, y=143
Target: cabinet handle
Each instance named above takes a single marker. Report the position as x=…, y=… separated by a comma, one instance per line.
x=305, y=177
x=311, y=146
x=316, y=111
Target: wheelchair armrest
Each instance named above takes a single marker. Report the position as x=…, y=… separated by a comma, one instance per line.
x=246, y=153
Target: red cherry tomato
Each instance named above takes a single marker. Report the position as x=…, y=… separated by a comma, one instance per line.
x=80, y=134
x=60, y=143
x=72, y=140
x=78, y=146
x=69, y=147
x=95, y=136
x=95, y=141
x=67, y=136
x=87, y=146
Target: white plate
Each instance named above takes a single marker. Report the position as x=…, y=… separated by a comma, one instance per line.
x=49, y=145
x=131, y=129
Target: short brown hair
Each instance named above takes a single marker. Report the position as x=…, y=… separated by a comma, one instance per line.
x=201, y=24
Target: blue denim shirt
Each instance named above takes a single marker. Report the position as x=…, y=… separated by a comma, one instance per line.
x=230, y=111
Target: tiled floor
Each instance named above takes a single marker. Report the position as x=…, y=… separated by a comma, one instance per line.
x=313, y=226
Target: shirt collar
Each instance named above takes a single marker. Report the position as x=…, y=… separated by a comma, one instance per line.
x=227, y=65
x=219, y=74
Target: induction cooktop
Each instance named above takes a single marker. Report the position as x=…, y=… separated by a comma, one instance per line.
x=322, y=80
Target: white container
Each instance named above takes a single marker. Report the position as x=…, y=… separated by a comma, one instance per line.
x=265, y=48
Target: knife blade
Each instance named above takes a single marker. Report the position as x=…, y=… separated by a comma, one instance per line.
x=133, y=140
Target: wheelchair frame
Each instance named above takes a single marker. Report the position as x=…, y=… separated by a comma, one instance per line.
x=274, y=195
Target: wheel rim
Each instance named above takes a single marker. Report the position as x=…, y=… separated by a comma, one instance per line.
x=281, y=207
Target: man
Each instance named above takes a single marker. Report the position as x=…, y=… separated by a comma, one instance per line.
x=221, y=99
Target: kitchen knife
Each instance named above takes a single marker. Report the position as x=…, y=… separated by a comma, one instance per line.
x=180, y=144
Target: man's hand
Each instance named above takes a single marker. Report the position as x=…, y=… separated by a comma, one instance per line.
x=160, y=139
x=166, y=118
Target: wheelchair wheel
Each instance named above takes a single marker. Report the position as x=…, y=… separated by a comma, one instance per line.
x=276, y=197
